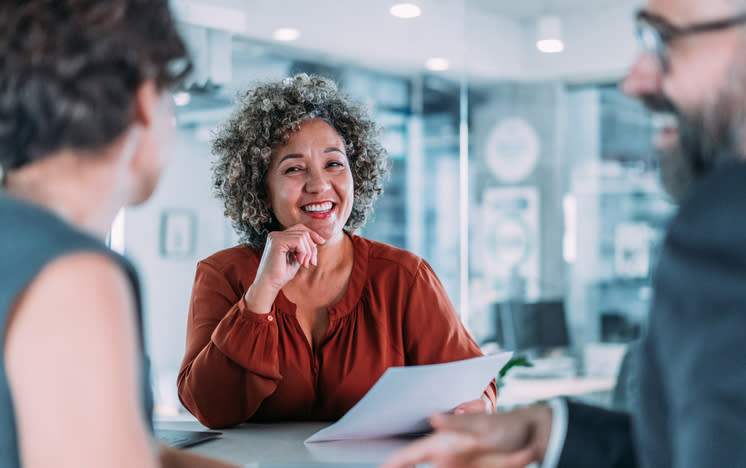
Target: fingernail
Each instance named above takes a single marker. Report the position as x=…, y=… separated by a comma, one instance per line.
x=458, y=411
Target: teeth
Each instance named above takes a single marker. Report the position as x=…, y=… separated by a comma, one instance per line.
x=326, y=206
x=662, y=120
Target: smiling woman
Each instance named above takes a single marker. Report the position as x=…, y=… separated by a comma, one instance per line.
x=299, y=321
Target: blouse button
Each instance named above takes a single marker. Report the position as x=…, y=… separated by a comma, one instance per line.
x=270, y=318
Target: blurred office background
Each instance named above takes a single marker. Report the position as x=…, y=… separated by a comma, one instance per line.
x=526, y=178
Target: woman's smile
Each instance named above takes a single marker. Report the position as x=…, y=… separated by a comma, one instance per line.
x=322, y=210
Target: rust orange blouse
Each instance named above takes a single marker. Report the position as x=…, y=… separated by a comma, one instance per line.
x=242, y=366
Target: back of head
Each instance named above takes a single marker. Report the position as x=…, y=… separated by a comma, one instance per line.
x=70, y=69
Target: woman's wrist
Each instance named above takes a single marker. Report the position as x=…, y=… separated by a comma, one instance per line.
x=259, y=298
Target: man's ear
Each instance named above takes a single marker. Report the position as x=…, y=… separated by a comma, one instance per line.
x=146, y=103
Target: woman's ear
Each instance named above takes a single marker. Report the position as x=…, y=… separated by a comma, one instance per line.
x=146, y=103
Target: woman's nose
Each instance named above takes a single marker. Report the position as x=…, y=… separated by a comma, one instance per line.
x=317, y=182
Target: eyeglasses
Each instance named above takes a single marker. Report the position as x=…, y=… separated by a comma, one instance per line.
x=656, y=34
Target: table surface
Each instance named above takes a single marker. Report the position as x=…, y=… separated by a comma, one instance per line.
x=281, y=445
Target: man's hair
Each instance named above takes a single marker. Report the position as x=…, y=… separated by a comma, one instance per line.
x=264, y=119
x=70, y=70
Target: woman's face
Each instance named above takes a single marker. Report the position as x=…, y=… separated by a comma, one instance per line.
x=310, y=181
x=156, y=147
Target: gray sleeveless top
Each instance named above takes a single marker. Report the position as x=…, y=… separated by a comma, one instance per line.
x=31, y=238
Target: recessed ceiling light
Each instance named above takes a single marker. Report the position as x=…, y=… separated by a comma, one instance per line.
x=437, y=64
x=550, y=46
x=182, y=98
x=405, y=10
x=286, y=34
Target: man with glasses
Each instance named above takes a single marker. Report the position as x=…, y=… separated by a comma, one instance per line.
x=691, y=408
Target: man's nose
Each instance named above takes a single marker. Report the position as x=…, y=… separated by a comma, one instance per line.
x=317, y=181
x=645, y=78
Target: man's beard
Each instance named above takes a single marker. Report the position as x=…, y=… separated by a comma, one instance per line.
x=708, y=137
x=675, y=171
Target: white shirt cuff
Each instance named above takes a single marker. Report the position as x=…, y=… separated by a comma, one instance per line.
x=557, y=436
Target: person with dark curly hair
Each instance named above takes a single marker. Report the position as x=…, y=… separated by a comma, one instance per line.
x=85, y=123
x=300, y=320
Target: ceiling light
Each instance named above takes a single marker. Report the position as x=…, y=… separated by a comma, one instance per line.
x=405, y=10
x=549, y=35
x=286, y=34
x=437, y=64
x=550, y=46
x=182, y=98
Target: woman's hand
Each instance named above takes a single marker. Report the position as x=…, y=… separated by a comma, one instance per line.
x=284, y=254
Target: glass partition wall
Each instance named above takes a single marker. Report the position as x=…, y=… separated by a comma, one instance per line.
x=526, y=180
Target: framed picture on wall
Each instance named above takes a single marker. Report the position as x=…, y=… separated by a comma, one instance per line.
x=178, y=232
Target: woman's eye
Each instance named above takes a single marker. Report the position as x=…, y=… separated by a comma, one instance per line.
x=292, y=169
x=336, y=164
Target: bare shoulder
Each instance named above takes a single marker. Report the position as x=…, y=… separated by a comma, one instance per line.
x=81, y=286
x=72, y=351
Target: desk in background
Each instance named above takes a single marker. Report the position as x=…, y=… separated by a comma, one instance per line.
x=522, y=391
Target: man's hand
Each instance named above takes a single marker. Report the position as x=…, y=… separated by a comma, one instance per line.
x=474, y=406
x=504, y=440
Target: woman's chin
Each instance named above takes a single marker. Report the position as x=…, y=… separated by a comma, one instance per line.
x=332, y=235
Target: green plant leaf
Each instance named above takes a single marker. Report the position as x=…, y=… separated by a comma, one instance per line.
x=516, y=361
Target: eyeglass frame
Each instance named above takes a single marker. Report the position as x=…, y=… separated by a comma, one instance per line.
x=666, y=32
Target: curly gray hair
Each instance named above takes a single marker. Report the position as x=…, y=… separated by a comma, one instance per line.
x=264, y=119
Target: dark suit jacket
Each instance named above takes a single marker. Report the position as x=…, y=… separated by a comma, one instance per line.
x=691, y=410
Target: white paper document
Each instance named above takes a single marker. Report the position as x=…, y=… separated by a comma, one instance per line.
x=404, y=398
